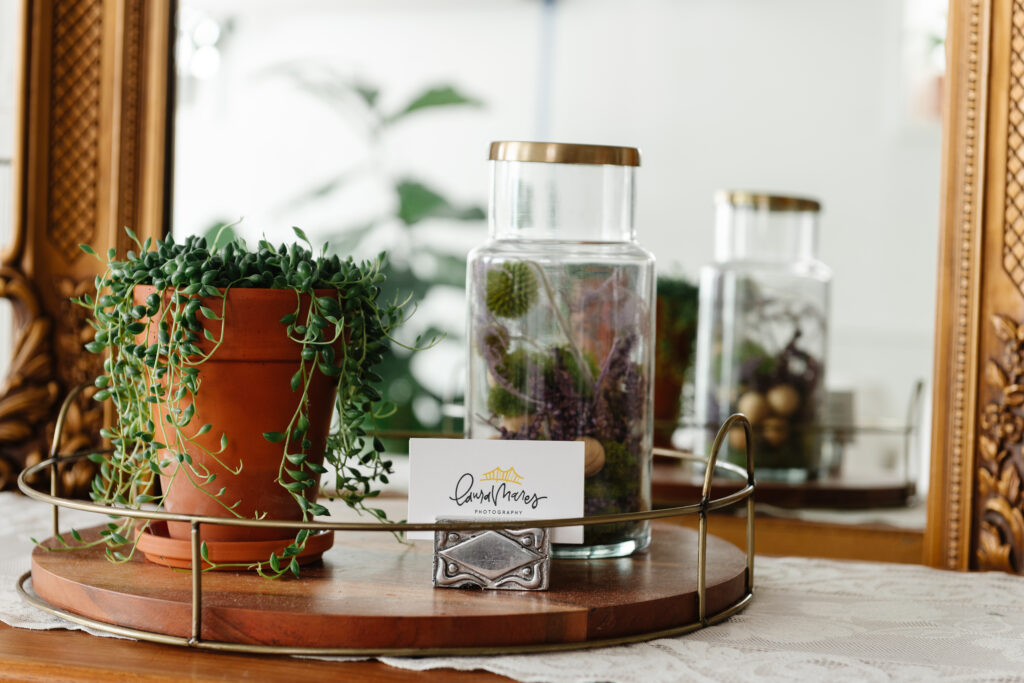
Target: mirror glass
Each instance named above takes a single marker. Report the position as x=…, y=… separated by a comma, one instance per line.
x=367, y=123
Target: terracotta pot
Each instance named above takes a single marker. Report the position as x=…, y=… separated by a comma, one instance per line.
x=244, y=391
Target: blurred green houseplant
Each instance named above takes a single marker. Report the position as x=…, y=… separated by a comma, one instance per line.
x=676, y=324
x=415, y=200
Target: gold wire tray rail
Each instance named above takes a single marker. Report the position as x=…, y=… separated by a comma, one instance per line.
x=705, y=505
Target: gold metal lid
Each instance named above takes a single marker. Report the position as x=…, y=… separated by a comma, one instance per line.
x=772, y=202
x=565, y=153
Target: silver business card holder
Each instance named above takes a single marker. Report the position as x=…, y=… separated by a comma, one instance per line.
x=500, y=559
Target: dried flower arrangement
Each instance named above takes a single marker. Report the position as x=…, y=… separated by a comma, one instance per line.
x=563, y=351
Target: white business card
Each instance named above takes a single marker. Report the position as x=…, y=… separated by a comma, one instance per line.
x=496, y=479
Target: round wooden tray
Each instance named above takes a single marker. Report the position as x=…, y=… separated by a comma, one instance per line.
x=373, y=593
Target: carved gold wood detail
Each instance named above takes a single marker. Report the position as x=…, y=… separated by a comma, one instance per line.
x=959, y=488
x=131, y=118
x=74, y=366
x=955, y=376
x=29, y=393
x=69, y=43
x=999, y=505
x=90, y=160
x=1013, y=226
x=74, y=125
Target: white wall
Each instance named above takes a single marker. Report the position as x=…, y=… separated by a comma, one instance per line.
x=9, y=21
x=9, y=15
x=797, y=96
x=794, y=96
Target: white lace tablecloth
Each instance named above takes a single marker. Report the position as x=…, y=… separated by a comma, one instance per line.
x=810, y=620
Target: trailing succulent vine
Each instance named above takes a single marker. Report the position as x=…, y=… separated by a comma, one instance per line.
x=143, y=370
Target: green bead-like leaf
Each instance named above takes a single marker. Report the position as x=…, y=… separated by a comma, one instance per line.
x=328, y=305
x=273, y=437
x=298, y=475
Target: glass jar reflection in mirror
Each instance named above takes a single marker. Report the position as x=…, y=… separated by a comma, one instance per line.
x=763, y=332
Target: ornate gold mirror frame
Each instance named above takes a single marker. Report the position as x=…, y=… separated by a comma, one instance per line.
x=93, y=152
x=90, y=157
x=976, y=501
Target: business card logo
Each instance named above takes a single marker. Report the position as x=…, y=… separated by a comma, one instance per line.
x=500, y=497
x=509, y=476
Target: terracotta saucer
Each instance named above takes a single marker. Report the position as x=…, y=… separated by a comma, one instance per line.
x=158, y=547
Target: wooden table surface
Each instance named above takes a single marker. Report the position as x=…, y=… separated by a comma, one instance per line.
x=76, y=656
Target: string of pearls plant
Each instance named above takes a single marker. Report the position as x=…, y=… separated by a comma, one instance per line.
x=142, y=370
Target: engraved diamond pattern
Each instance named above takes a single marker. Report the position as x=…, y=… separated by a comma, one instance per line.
x=74, y=125
x=491, y=555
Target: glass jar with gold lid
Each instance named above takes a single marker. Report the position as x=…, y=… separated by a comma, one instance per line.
x=560, y=323
x=763, y=332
